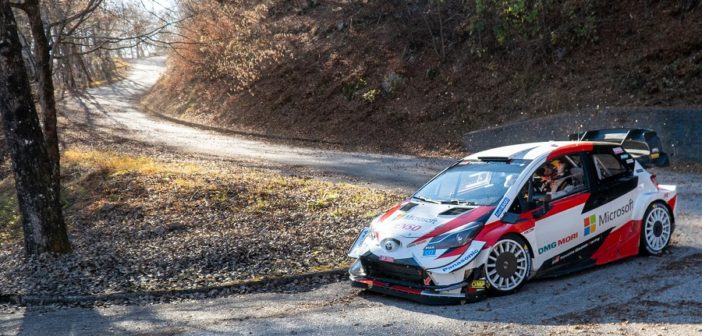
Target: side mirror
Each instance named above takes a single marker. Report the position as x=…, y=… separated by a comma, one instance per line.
x=510, y=217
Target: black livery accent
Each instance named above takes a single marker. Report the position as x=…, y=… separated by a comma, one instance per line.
x=574, y=259
x=604, y=194
x=399, y=272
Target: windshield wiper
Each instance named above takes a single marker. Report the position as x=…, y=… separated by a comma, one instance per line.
x=457, y=202
x=424, y=199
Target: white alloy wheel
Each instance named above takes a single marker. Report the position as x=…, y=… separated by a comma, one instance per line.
x=508, y=265
x=657, y=229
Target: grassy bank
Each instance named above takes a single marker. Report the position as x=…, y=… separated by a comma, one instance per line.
x=138, y=223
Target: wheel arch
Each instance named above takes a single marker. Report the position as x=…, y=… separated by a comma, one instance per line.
x=498, y=230
x=522, y=237
x=666, y=205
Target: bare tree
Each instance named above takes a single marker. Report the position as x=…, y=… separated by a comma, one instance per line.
x=74, y=41
x=42, y=220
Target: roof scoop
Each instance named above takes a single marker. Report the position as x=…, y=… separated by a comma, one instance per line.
x=408, y=206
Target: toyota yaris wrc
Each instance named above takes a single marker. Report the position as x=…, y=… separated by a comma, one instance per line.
x=498, y=218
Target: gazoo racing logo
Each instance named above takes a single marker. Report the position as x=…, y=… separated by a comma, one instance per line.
x=591, y=222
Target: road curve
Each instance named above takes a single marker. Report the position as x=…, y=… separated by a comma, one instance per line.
x=113, y=109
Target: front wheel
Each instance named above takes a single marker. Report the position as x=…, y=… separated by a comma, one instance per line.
x=656, y=229
x=508, y=265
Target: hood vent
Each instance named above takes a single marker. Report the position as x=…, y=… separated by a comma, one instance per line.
x=408, y=206
x=455, y=211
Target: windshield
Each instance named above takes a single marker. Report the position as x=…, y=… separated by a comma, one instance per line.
x=473, y=183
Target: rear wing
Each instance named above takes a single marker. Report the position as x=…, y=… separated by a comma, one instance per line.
x=644, y=145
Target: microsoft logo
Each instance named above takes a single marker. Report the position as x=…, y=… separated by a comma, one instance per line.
x=590, y=224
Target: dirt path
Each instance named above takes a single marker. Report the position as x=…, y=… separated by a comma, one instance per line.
x=112, y=110
x=638, y=296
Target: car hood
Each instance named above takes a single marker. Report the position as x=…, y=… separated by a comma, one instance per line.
x=411, y=226
x=421, y=219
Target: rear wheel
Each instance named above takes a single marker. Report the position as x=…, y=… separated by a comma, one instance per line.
x=508, y=265
x=656, y=229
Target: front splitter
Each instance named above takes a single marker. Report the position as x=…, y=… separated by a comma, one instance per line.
x=415, y=294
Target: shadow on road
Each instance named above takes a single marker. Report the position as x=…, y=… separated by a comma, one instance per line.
x=637, y=290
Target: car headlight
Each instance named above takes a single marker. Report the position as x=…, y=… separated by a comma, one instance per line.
x=357, y=270
x=456, y=239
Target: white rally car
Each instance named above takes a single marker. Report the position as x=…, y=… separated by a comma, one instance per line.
x=500, y=217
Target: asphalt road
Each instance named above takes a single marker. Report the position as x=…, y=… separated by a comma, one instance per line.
x=638, y=296
x=113, y=110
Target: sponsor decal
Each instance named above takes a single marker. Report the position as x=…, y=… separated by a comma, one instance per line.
x=575, y=250
x=408, y=227
x=630, y=161
x=429, y=251
x=461, y=261
x=502, y=206
x=529, y=230
x=559, y=242
x=624, y=156
x=387, y=259
x=618, y=150
x=416, y=219
x=612, y=215
x=479, y=284
x=590, y=224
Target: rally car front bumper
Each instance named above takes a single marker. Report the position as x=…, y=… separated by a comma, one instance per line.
x=414, y=283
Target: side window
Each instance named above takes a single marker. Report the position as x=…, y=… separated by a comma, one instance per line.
x=608, y=166
x=559, y=177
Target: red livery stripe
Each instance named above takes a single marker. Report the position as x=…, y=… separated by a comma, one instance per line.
x=456, y=222
x=398, y=288
x=566, y=203
x=672, y=201
x=454, y=252
x=621, y=243
x=584, y=146
x=391, y=211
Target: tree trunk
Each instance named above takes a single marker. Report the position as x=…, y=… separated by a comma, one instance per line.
x=47, y=101
x=42, y=220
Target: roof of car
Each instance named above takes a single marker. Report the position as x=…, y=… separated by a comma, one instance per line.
x=529, y=151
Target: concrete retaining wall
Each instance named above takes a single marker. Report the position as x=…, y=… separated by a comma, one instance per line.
x=680, y=129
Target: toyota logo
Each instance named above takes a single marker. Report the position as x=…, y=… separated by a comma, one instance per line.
x=390, y=244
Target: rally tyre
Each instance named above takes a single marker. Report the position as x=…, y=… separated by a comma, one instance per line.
x=508, y=265
x=656, y=229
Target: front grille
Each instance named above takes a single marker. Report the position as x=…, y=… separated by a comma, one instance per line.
x=410, y=276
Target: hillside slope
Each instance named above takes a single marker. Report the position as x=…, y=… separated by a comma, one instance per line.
x=413, y=76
